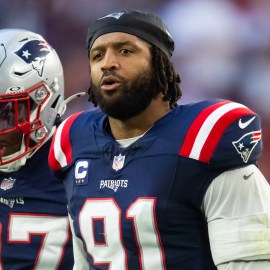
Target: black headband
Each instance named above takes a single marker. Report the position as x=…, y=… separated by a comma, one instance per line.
x=141, y=24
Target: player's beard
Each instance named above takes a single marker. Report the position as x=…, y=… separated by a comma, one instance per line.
x=130, y=99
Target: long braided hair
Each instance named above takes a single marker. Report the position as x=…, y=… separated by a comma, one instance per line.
x=167, y=80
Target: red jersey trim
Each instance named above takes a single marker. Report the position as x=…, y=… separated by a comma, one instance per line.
x=60, y=153
x=205, y=132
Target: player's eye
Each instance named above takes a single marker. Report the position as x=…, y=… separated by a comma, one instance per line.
x=97, y=56
x=125, y=51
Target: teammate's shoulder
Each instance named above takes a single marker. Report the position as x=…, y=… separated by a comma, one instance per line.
x=72, y=133
x=81, y=116
x=222, y=132
x=79, y=120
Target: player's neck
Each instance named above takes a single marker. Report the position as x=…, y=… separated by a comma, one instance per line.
x=140, y=123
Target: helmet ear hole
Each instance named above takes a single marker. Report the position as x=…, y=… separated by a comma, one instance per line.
x=54, y=104
x=57, y=120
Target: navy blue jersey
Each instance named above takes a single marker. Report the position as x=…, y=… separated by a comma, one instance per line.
x=140, y=207
x=34, y=227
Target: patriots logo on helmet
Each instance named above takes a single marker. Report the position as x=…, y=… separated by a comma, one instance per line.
x=245, y=145
x=34, y=52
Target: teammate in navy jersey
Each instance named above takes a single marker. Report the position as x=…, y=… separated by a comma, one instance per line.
x=34, y=226
x=151, y=184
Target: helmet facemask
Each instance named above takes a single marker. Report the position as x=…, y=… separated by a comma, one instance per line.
x=20, y=114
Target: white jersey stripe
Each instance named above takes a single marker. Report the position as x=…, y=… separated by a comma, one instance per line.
x=208, y=125
x=59, y=154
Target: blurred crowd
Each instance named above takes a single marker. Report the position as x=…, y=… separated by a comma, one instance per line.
x=222, y=48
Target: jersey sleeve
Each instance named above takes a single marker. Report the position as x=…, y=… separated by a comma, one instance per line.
x=225, y=134
x=237, y=210
x=60, y=154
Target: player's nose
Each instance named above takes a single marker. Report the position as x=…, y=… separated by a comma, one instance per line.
x=110, y=61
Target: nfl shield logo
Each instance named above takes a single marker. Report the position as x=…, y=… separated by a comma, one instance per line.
x=118, y=162
x=7, y=183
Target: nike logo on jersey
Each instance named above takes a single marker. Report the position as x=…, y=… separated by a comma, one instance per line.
x=246, y=177
x=245, y=124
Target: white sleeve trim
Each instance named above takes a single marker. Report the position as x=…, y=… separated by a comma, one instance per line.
x=59, y=154
x=238, y=216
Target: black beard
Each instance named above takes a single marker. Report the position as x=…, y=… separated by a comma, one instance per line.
x=131, y=98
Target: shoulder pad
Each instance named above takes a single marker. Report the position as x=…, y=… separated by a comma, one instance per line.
x=60, y=154
x=224, y=134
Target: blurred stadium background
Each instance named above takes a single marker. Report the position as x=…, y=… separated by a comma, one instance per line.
x=222, y=47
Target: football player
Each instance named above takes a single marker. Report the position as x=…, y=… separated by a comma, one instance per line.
x=151, y=184
x=34, y=226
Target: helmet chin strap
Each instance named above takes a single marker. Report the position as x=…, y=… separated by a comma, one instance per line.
x=63, y=107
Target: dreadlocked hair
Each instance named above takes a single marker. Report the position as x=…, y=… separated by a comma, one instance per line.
x=167, y=80
x=91, y=96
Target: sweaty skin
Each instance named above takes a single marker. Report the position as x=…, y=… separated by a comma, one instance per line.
x=117, y=68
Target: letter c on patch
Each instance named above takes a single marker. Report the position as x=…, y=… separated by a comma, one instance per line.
x=81, y=169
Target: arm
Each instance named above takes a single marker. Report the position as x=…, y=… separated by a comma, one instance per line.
x=237, y=210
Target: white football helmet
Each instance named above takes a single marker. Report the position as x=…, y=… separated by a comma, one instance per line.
x=31, y=93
